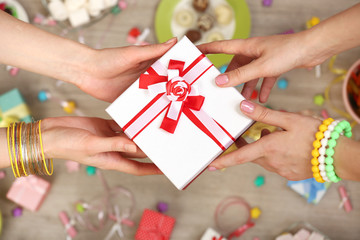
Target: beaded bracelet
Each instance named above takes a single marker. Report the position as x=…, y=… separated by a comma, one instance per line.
x=26, y=151
x=322, y=149
x=342, y=127
x=315, y=152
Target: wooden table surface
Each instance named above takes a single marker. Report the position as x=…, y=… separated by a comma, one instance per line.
x=193, y=208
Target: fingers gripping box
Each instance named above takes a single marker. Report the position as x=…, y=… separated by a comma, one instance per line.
x=177, y=115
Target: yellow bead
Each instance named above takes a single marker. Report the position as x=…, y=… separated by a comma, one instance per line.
x=319, y=135
x=323, y=128
x=316, y=144
x=314, y=162
x=255, y=213
x=317, y=175
x=320, y=180
x=69, y=107
x=328, y=121
x=315, y=153
x=315, y=169
x=314, y=21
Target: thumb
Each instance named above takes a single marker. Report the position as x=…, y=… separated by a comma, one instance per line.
x=266, y=115
x=152, y=51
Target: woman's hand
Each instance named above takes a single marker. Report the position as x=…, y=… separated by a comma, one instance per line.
x=286, y=152
x=93, y=141
x=263, y=57
x=111, y=71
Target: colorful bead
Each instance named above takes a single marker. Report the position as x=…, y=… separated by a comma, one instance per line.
x=259, y=181
x=314, y=161
x=315, y=169
x=329, y=160
x=319, y=99
x=162, y=207
x=330, y=152
x=255, y=212
x=332, y=143
x=316, y=144
x=315, y=153
x=319, y=135
x=17, y=212
x=322, y=128
x=282, y=83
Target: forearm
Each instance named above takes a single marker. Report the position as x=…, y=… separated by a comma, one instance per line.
x=4, y=154
x=27, y=47
x=347, y=159
x=335, y=35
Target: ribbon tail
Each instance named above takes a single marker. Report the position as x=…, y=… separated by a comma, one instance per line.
x=238, y=232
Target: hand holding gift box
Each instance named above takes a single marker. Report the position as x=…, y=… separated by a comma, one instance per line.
x=177, y=103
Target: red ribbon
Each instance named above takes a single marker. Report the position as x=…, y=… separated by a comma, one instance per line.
x=190, y=104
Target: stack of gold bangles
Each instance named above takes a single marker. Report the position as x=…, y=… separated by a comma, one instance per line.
x=322, y=161
x=26, y=150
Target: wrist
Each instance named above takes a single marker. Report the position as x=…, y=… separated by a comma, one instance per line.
x=79, y=62
x=317, y=48
x=4, y=153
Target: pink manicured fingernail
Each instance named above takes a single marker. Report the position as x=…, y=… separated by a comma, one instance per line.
x=221, y=80
x=211, y=169
x=247, y=106
x=171, y=40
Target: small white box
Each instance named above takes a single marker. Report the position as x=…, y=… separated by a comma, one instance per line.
x=58, y=10
x=79, y=17
x=211, y=234
x=184, y=154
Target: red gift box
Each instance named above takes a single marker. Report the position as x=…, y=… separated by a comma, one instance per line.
x=154, y=226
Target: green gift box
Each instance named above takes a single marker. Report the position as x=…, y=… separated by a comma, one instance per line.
x=13, y=108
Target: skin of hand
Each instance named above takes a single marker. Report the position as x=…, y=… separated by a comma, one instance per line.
x=111, y=71
x=269, y=57
x=286, y=152
x=93, y=141
x=104, y=73
x=261, y=57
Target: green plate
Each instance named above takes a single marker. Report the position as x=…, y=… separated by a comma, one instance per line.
x=164, y=16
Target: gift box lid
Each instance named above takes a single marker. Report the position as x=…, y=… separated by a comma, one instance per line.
x=184, y=154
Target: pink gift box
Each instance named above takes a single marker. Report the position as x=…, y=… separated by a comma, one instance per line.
x=29, y=192
x=154, y=226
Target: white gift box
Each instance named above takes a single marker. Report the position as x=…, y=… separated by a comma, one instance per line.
x=200, y=134
x=211, y=234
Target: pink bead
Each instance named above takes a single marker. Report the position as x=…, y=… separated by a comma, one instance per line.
x=14, y=71
x=324, y=114
x=2, y=174
x=123, y=5
x=38, y=20
x=51, y=22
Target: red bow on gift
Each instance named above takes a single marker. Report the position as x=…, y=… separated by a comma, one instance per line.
x=173, y=90
x=180, y=93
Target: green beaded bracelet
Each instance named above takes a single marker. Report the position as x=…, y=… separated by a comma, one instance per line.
x=342, y=127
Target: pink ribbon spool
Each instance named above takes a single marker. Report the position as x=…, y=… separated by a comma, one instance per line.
x=346, y=100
